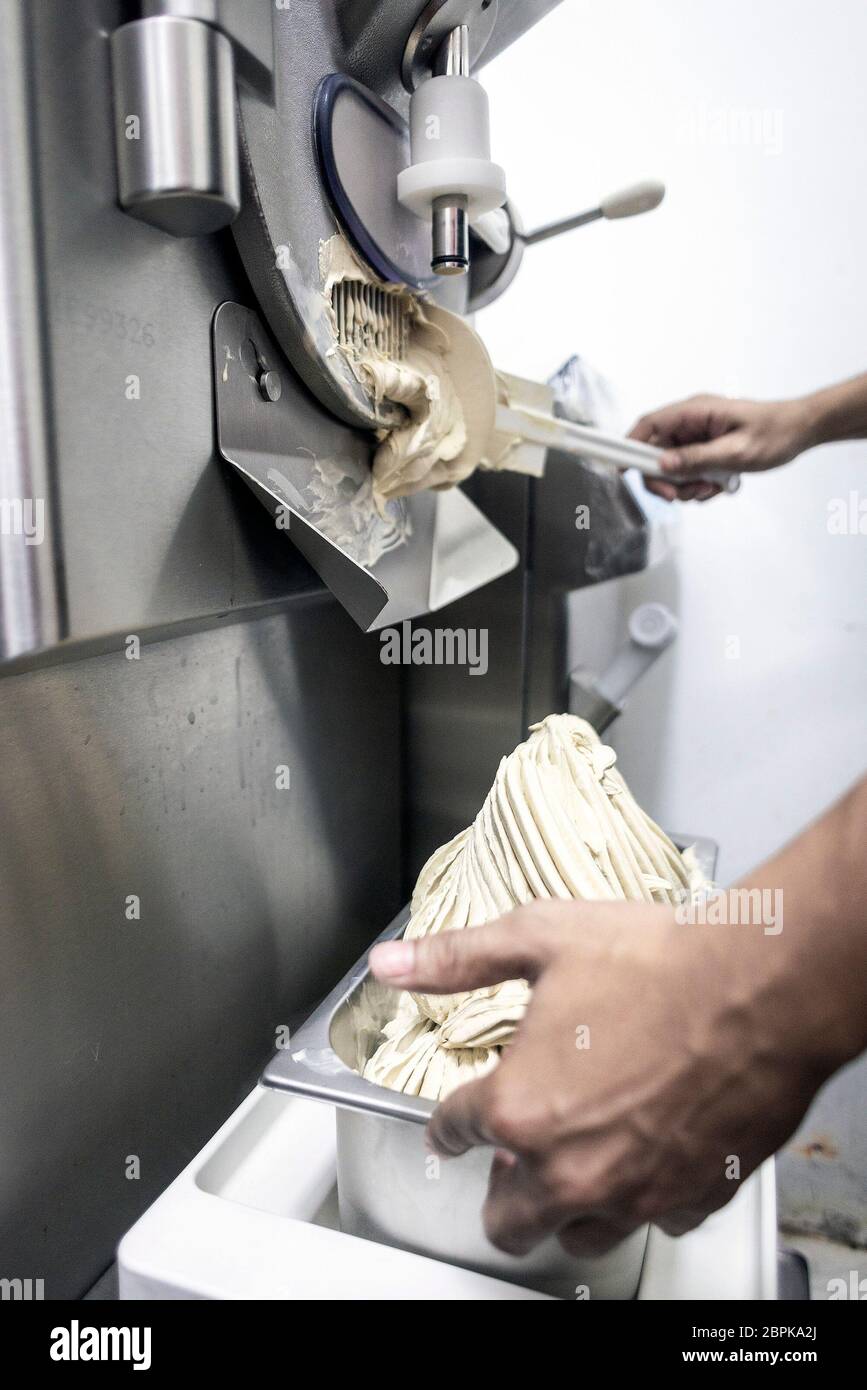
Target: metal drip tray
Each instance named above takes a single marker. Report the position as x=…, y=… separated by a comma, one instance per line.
x=313, y=476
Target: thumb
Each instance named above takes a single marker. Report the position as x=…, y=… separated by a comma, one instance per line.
x=462, y=1120
x=693, y=460
x=517, y=947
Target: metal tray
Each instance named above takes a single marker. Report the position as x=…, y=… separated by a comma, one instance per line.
x=320, y=1058
x=390, y=1189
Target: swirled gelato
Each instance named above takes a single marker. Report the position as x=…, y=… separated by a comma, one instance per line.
x=559, y=822
x=401, y=355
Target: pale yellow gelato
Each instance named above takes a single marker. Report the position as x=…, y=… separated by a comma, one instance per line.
x=559, y=822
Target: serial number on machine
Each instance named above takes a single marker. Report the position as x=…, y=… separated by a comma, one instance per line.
x=107, y=322
x=722, y=1334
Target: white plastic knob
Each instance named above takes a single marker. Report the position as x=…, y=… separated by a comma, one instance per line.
x=652, y=625
x=629, y=202
x=450, y=149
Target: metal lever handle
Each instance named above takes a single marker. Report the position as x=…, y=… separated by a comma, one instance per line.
x=628, y=202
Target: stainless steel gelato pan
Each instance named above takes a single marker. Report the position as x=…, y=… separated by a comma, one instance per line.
x=390, y=1188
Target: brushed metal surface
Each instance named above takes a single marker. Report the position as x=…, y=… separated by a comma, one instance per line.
x=391, y=1189
x=154, y=528
x=150, y=528
x=374, y=33
x=459, y=726
x=433, y=29
x=154, y=779
x=564, y=558
x=178, y=170
x=124, y=1038
x=246, y=22
x=31, y=590
x=277, y=452
x=286, y=212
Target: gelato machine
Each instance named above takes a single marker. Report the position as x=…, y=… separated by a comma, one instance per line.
x=239, y=243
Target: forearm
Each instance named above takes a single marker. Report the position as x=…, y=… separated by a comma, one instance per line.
x=710, y=1035
x=817, y=967
x=837, y=412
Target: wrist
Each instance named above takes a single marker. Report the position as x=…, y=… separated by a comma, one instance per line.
x=763, y=998
x=811, y=420
x=837, y=412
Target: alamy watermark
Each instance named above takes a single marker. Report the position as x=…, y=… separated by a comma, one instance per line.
x=22, y=1290
x=23, y=516
x=854, y=1288
x=734, y=907
x=444, y=646
x=84, y=1343
x=757, y=127
x=847, y=516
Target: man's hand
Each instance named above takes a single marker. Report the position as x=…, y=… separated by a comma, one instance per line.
x=712, y=432
x=658, y=1062
x=645, y=1073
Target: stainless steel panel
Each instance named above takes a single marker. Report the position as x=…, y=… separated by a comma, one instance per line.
x=150, y=529
x=458, y=726
x=563, y=558
x=246, y=22
x=178, y=170
x=156, y=778
x=154, y=530
x=31, y=600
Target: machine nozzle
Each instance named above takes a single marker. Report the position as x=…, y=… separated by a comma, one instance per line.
x=453, y=55
x=450, y=241
x=450, y=181
x=450, y=236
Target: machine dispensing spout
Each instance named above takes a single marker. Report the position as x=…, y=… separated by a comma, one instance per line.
x=450, y=179
x=450, y=233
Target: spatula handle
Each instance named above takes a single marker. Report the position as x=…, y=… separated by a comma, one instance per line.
x=585, y=441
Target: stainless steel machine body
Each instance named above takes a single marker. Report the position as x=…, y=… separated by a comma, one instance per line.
x=214, y=793
x=125, y=1040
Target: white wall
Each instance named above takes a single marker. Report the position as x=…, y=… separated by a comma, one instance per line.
x=750, y=279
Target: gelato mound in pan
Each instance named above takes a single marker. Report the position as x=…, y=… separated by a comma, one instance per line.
x=559, y=822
